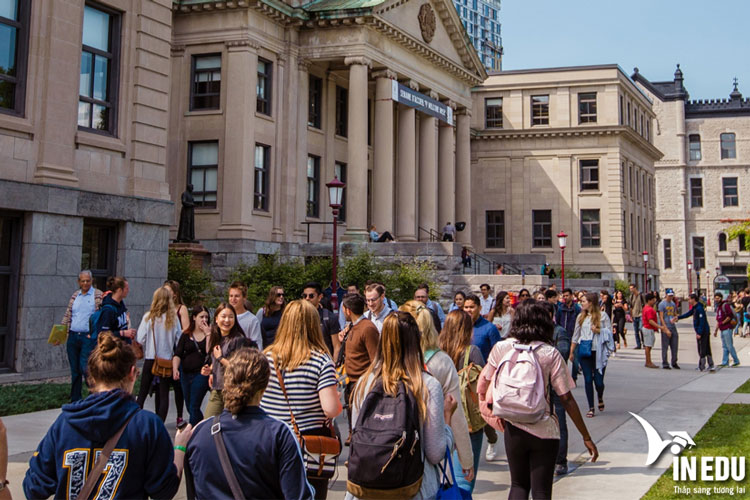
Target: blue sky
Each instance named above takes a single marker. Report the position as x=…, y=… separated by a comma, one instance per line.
x=710, y=38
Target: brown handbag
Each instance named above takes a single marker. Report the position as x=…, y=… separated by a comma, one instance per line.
x=161, y=367
x=320, y=452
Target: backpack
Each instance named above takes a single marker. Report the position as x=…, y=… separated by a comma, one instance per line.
x=385, y=456
x=95, y=320
x=468, y=378
x=561, y=340
x=518, y=393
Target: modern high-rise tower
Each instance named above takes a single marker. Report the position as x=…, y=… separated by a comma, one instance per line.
x=482, y=21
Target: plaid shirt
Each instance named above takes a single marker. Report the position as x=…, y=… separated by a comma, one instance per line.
x=69, y=310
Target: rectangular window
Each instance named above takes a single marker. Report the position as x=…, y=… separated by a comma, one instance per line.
x=539, y=110
x=493, y=112
x=741, y=243
x=696, y=192
x=630, y=181
x=315, y=104
x=205, y=93
x=587, y=107
x=99, y=251
x=667, y=253
x=622, y=177
x=14, y=47
x=648, y=129
x=262, y=165
x=694, y=147
x=640, y=131
x=542, y=228
x=589, y=175
x=632, y=233
x=342, y=110
x=495, y=228
x=627, y=116
x=729, y=192
x=264, y=86
x=203, y=167
x=728, y=150
x=313, y=186
x=699, y=253
x=622, y=111
x=590, y=229
x=339, y=170
x=100, y=61
x=624, y=231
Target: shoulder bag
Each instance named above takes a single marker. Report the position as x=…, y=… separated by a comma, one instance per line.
x=320, y=452
x=226, y=465
x=96, y=471
x=161, y=367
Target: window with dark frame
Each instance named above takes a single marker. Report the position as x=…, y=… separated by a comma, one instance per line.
x=315, y=104
x=203, y=169
x=632, y=233
x=722, y=242
x=342, y=111
x=667, y=253
x=542, y=228
x=313, y=186
x=741, y=243
x=622, y=177
x=99, y=251
x=493, y=109
x=495, y=228
x=100, y=62
x=264, y=86
x=624, y=230
x=14, y=54
x=627, y=116
x=260, y=186
x=694, y=147
x=589, y=170
x=590, y=229
x=730, y=195
x=699, y=253
x=630, y=181
x=339, y=170
x=205, y=92
x=540, y=110
x=696, y=192
x=587, y=107
x=728, y=149
x=622, y=111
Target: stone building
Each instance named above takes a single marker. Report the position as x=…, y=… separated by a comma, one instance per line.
x=270, y=100
x=701, y=181
x=565, y=149
x=83, y=140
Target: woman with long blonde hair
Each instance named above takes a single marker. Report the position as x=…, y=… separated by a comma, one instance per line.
x=593, y=338
x=441, y=366
x=157, y=333
x=299, y=358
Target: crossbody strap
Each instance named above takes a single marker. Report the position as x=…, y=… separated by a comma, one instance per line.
x=153, y=337
x=226, y=465
x=98, y=468
x=466, y=357
x=291, y=413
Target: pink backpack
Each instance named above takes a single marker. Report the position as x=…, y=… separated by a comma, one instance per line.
x=518, y=389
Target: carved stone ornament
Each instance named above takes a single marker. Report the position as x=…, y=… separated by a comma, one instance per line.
x=427, y=22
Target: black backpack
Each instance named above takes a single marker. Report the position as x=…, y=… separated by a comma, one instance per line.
x=386, y=459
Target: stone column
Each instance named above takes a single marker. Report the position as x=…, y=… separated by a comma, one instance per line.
x=428, y=174
x=446, y=171
x=236, y=190
x=296, y=199
x=356, y=192
x=382, y=173
x=463, y=174
x=406, y=185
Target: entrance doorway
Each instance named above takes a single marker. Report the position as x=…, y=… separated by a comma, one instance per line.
x=10, y=264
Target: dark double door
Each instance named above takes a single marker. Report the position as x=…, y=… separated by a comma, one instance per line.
x=10, y=265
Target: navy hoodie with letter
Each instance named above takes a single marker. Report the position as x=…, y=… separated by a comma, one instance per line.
x=140, y=466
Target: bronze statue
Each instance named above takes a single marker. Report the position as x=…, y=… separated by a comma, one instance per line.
x=186, y=229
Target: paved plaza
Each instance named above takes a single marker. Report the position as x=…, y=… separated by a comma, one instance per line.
x=671, y=400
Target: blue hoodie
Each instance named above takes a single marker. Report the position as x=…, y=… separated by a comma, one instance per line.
x=700, y=322
x=140, y=466
x=114, y=318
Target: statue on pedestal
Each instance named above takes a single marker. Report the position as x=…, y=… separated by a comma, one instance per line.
x=186, y=229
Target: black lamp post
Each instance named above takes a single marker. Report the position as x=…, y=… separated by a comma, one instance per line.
x=335, y=194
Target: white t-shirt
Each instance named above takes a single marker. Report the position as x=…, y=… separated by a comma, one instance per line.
x=486, y=304
x=251, y=327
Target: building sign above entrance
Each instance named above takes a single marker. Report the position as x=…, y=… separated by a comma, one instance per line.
x=404, y=95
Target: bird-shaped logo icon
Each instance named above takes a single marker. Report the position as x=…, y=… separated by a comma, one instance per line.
x=656, y=445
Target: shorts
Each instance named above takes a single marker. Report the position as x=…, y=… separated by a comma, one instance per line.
x=649, y=338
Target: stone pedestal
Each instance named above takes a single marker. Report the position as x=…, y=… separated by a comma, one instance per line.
x=200, y=256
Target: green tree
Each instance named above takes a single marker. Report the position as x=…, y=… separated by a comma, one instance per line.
x=359, y=268
x=741, y=229
x=404, y=278
x=195, y=283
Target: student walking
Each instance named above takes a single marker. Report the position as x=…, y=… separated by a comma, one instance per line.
x=114, y=315
x=189, y=357
x=725, y=322
x=635, y=304
x=269, y=315
x=669, y=337
x=184, y=318
x=650, y=326
x=501, y=315
x=566, y=316
x=702, y=331
x=619, y=314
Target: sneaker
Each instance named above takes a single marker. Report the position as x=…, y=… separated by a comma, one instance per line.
x=179, y=421
x=676, y=366
x=712, y=369
x=723, y=365
x=737, y=363
x=638, y=347
x=665, y=367
x=491, y=454
x=561, y=469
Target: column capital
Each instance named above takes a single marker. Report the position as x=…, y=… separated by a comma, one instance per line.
x=242, y=44
x=434, y=95
x=303, y=64
x=463, y=111
x=360, y=60
x=177, y=50
x=451, y=104
x=281, y=60
x=385, y=73
x=412, y=84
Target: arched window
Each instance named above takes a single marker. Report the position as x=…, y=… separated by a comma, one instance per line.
x=722, y=242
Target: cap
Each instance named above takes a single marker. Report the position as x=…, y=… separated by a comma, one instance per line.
x=669, y=291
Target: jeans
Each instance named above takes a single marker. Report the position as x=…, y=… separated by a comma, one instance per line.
x=671, y=342
x=637, y=331
x=575, y=365
x=79, y=347
x=704, y=351
x=562, y=451
x=476, y=450
x=531, y=461
x=194, y=387
x=592, y=377
x=727, y=347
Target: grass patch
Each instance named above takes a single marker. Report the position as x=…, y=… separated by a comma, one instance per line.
x=727, y=433
x=744, y=388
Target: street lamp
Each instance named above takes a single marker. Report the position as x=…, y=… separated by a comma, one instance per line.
x=335, y=194
x=562, y=239
x=690, y=276
x=645, y=270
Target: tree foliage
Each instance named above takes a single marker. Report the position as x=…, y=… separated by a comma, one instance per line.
x=741, y=229
x=195, y=283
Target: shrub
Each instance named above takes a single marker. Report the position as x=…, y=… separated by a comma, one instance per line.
x=195, y=283
x=359, y=268
x=623, y=286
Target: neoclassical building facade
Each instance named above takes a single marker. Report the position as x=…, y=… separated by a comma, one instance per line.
x=566, y=149
x=702, y=185
x=271, y=100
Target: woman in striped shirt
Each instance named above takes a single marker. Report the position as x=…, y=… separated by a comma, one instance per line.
x=300, y=356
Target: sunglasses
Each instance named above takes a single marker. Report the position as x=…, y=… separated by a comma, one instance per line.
x=280, y=294
x=309, y=295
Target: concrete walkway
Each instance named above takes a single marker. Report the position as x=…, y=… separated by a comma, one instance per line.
x=671, y=400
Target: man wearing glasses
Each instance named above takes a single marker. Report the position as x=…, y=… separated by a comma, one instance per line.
x=329, y=323
x=376, y=308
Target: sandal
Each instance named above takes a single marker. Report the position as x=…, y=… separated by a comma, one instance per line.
x=601, y=405
x=590, y=414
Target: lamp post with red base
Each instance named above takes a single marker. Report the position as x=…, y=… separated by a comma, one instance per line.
x=645, y=271
x=563, y=240
x=690, y=276
x=335, y=194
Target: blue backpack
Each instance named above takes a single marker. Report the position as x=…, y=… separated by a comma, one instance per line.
x=95, y=320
